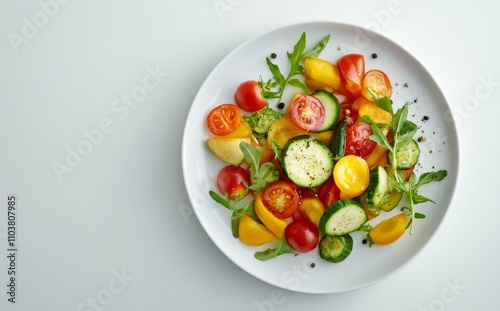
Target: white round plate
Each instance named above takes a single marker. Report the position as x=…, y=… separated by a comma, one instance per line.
x=412, y=83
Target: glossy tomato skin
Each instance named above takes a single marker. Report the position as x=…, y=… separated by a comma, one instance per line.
x=281, y=198
x=307, y=112
x=348, y=112
x=231, y=179
x=302, y=235
x=352, y=69
x=377, y=81
x=249, y=97
x=358, y=140
x=224, y=119
x=328, y=192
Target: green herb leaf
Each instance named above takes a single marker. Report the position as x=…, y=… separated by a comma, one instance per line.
x=238, y=212
x=224, y=201
x=431, y=176
x=267, y=88
x=316, y=51
x=276, y=147
x=419, y=216
x=378, y=136
x=299, y=84
x=406, y=133
x=261, y=176
x=270, y=253
x=383, y=103
x=275, y=70
x=251, y=155
x=417, y=199
x=296, y=56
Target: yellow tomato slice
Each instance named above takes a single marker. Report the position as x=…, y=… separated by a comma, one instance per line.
x=253, y=233
x=352, y=175
x=389, y=230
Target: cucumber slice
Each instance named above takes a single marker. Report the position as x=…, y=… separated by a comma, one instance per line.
x=342, y=217
x=335, y=248
x=307, y=161
x=406, y=156
x=332, y=109
x=338, y=140
x=394, y=199
x=378, y=188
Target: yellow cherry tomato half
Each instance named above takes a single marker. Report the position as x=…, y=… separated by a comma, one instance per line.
x=352, y=175
x=389, y=230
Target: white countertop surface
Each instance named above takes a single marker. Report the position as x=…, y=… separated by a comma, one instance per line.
x=115, y=230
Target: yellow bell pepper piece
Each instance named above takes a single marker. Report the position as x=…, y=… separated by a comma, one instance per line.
x=389, y=230
x=313, y=208
x=282, y=130
x=375, y=113
x=322, y=72
x=253, y=233
x=314, y=85
x=273, y=223
x=242, y=131
x=377, y=157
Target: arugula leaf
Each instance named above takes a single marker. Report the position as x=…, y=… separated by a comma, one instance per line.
x=238, y=212
x=378, y=136
x=270, y=253
x=316, y=51
x=431, y=176
x=295, y=58
x=275, y=70
x=267, y=88
x=260, y=175
x=383, y=103
x=276, y=147
x=299, y=84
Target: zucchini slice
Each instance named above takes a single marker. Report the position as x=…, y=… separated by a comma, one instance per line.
x=335, y=248
x=332, y=109
x=394, y=199
x=338, y=140
x=342, y=217
x=407, y=156
x=307, y=161
x=378, y=188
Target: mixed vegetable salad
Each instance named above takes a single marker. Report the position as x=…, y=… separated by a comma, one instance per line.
x=304, y=175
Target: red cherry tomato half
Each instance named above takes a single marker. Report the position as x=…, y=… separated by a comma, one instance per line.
x=224, y=119
x=231, y=179
x=352, y=68
x=249, y=96
x=281, y=198
x=358, y=140
x=329, y=192
x=377, y=81
x=302, y=235
x=348, y=113
x=307, y=112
